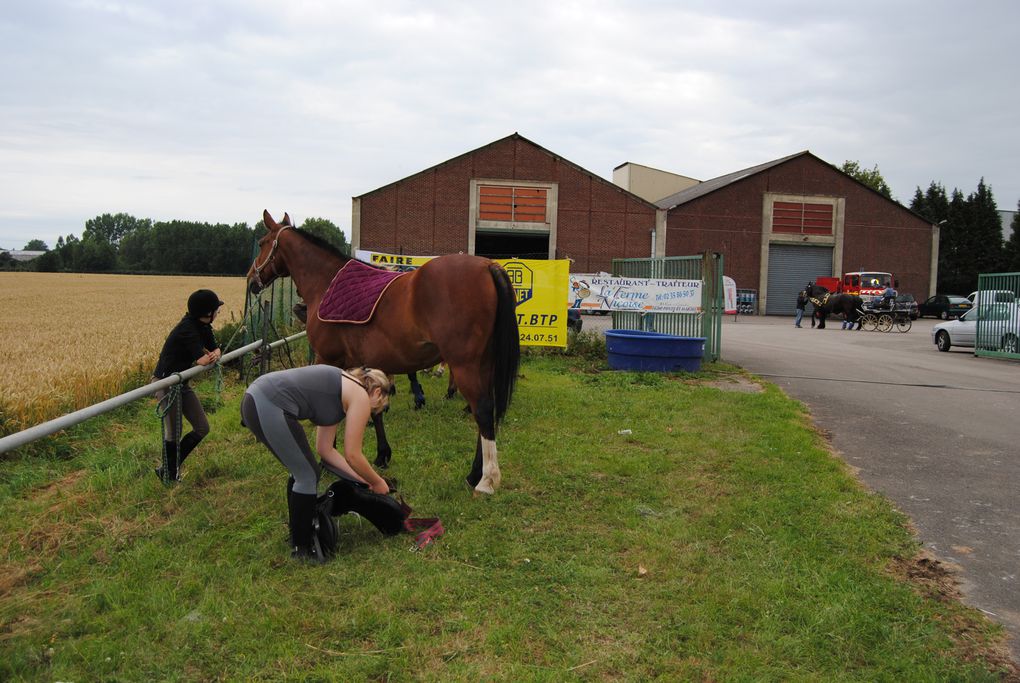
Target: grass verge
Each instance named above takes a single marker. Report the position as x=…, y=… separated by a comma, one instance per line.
x=650, y=527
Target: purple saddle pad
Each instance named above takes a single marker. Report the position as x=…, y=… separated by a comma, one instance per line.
x=354, y=292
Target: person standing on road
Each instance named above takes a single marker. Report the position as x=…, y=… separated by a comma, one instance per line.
x=802, y=301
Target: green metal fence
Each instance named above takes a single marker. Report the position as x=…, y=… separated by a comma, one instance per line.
x=708, y=268
x=998, y=316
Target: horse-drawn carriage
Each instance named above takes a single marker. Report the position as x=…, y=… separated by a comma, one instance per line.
x=884, y=314
x=872, y=313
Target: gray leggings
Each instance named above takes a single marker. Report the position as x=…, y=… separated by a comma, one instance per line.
x=191, y=406
x=283, y=435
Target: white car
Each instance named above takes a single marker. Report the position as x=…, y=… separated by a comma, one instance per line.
x=999, y=329
x=992, y=296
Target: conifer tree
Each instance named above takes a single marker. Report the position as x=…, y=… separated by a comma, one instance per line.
x=985, y=234
x=1011, y=251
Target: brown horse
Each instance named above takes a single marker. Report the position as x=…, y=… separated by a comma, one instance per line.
x=458, y=308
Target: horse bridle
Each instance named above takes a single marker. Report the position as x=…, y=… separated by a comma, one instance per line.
x=270, y=260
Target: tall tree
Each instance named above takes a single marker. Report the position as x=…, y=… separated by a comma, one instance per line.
x=111, y=228
x=955, y=269
x=933, y=204
x=36, y=245
x=70, y=253
x=970, y=239
x=985, y=229
x=96, y=256
x=327, y=230
x=872, y=178
x=50, y=262
x=1011, y=251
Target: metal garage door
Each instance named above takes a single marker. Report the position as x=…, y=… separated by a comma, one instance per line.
x=790, y=268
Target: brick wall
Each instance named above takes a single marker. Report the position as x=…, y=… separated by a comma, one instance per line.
x=428, y=213
x=878, y=234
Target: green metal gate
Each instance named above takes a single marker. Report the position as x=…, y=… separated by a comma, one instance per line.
x=998, y=316
x=708, y=268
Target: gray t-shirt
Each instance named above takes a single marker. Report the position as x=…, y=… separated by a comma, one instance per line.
x=309, y=393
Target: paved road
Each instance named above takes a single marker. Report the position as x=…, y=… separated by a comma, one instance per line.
x=936, y=433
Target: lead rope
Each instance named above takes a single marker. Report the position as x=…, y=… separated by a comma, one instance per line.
x=428, y=528
x=163, y=406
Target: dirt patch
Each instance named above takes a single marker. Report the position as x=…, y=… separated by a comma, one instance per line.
x=936, y=579
x=59, y=487
x=929, y=575
x=14, y=575
x=737, y=383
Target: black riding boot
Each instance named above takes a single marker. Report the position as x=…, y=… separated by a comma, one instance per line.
x=290, y=494
x=302, y=512
x=171, y=463
x=188, y=444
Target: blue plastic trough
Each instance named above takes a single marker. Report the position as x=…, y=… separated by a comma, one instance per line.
x=653, y=351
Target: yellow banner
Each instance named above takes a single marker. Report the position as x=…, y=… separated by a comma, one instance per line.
x=539, y=286
x=392, y=261
x=541, y=312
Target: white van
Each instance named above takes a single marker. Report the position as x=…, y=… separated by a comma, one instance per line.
x=993, y=296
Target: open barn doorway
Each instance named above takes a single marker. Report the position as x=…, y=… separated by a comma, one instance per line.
x=504, y=245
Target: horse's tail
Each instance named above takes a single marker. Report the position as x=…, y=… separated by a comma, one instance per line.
x=506, y=342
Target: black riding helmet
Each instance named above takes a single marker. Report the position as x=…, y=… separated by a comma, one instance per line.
x=202, y=303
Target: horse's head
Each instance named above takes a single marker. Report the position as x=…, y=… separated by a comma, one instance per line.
x=815, y=293
x=269, y=263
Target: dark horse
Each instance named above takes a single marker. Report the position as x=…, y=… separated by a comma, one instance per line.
x=458, y=308
x=827, y=304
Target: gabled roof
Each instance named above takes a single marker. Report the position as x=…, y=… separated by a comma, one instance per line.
x=708, y=187
x=701, y=189
x=722, y=181
x=518, y=136
x=21, y=254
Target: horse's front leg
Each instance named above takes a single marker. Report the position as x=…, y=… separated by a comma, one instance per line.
x=416, y=391
x=383, y=452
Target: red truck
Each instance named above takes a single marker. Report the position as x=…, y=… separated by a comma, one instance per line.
x=862, y=283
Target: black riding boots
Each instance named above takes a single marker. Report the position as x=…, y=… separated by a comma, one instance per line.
x=302, y=513
x=171, y=469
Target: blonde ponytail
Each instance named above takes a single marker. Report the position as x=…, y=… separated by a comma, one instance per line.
x=370, y=379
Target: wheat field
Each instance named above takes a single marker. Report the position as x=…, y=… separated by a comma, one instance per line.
x=68, y=340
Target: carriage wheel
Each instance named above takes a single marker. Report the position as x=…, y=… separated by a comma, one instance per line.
x=869, y=322
x=884, y=322
x=903, y=324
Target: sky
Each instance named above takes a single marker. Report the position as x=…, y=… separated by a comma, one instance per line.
x=212, y=110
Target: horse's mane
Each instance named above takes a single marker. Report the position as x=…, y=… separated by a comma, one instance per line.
x=321, y=243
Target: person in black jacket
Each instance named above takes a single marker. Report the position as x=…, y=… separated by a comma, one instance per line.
x=191, y=342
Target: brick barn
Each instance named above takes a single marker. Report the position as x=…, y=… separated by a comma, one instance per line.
x=777, y=225
x=509, y=198
x=785, y=222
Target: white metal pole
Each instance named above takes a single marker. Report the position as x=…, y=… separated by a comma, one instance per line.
x=31, y=434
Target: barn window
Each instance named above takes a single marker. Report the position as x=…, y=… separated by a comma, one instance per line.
x=802, y=218
x=512, y=205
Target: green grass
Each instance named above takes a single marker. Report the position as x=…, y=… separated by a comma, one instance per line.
x=719, y=540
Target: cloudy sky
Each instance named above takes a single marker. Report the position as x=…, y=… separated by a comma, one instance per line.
x=212, y=110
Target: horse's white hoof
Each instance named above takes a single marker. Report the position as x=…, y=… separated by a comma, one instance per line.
x=484, y=487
